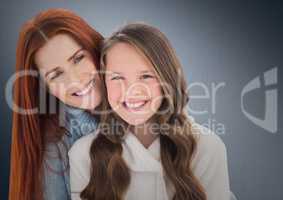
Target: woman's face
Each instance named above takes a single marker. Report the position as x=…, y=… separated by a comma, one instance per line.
x=134, y=91
x=69, y=72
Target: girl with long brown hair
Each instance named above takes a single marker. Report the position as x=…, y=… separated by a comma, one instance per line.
x=59, y=51
x=146, y=147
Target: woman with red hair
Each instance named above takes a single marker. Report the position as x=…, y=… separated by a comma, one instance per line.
x=57, y=49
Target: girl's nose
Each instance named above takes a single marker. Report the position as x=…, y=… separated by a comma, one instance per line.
x=136, y=89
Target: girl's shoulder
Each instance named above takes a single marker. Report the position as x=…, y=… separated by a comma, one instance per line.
x=210, y=147
x=209, y=163
x=207, y=140
x=80, y=149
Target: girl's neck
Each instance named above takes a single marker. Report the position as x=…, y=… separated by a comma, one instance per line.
x=144, y=134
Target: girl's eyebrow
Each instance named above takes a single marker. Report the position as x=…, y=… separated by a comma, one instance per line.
x=147, y=71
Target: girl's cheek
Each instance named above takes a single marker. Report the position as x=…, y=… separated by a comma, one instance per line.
x=155, y=88
x=114, y=92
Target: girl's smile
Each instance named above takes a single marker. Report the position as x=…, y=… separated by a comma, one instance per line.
x=133, y=87
x=135, y=105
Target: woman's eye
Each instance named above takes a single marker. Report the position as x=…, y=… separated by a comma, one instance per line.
x=77, y=59
x=56, y=75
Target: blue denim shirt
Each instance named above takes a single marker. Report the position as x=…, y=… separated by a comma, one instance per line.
x=56, y=182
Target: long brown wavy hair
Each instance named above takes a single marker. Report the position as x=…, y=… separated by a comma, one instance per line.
x=30, y=131
x=110, y=175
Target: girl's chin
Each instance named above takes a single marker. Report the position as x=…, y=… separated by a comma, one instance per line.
x=135, y=122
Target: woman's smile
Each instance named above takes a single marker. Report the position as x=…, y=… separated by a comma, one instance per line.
x=85, y=90
x=69, y=72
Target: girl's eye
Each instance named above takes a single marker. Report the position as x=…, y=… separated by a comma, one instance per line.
x=117, y=78
x=77, y=59
x=56, y=75
x=147, y=76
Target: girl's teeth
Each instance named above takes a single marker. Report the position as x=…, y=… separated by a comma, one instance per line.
x=134, y=105
x=85, y=90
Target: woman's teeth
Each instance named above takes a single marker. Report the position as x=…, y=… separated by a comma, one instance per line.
x=85, y=90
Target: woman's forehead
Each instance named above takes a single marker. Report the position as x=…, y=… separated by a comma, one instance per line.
x=56, y=50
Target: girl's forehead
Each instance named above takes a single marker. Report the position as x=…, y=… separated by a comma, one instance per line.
x=124, y=58
x=129, y=72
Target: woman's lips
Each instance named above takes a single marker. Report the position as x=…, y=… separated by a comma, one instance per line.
x=85, y=90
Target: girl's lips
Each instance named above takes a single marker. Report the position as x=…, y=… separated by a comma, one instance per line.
x=135, y=105
x=85, y=90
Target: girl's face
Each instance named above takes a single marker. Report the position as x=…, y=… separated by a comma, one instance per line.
x=133, y=88
x=69, y=72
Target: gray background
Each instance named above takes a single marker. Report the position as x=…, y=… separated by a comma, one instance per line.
x=216, y=41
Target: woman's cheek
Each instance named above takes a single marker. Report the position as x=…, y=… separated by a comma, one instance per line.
x=54, y=91
x=58, y=92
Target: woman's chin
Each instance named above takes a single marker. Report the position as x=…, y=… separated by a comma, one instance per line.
x=82, y=106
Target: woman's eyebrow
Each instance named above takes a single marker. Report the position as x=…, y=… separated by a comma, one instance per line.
x=74, y=54
x=70, y=58
x=50, y=71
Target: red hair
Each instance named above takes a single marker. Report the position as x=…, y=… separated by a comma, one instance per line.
x=29, y=130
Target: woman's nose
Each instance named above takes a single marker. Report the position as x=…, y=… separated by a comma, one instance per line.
x=73, y=77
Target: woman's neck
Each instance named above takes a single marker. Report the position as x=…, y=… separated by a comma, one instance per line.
x=144, y=134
